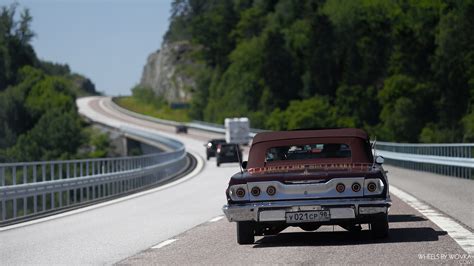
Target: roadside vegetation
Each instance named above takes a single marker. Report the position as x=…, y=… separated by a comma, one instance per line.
x=38, y=114
x=144, y=101
x=403, y=70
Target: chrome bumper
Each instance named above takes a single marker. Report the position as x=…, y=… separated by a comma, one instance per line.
x=275, y=211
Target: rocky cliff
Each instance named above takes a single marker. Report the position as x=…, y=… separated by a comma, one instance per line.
x=168, y=72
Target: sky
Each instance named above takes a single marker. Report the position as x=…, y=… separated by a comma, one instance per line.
x=106, y=40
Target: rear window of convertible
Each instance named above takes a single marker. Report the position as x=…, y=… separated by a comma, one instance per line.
x=308, y=151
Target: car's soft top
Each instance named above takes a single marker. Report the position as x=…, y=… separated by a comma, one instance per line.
x=356, y=139
x=320, y=133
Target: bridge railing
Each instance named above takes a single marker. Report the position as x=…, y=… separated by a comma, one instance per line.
x=453, y=159
x=32, y=189
x=455, y=150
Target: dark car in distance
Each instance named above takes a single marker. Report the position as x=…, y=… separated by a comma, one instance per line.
x=181, y=129
x=228, y=153
x=211, y=147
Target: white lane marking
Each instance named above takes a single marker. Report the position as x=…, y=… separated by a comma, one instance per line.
x=461, y=235
x=164, y=243
x=215, y=219
x=197, y=170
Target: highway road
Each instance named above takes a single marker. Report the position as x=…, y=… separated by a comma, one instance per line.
x=411, y=235
x=181, y=223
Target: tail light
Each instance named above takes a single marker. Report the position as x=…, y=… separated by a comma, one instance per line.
x=371, y=187
x=255, y=191
x=340, y=187
x=240, y=192
x=356, y=187
x=271, y=190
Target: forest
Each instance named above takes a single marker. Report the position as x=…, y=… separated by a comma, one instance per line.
x=402, y=69
x=38, y=114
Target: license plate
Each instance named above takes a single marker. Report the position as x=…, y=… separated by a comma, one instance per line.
x=229, y=154
x=307, y=217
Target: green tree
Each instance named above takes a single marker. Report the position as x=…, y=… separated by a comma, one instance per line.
x=405, y=103
x=48, y=94
x=401, y=69
x=454, y=65
x=57, y=135
x=15, y=48
x=278, y=70
x=238, y=90
x=211, y=27
x=468, y=124
x=315, y=112
x=14, y=115
x=319, y=59
x=359, y=103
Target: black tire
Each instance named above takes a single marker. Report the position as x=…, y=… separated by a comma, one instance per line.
x=245, y=233
x=310, y=227
x=218, y=163
x=207, y=157
x=380, y=227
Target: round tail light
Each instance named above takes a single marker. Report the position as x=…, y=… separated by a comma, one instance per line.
x=255, y=191
x=356, y=187
x=371, y=187
x=240, y=192
x=271, y=190
x=340, y=187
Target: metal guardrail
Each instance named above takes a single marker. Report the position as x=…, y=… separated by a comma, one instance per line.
x=33, y=189
x=216, y=127
x=140, y=116
x=461, y=150
x=195, y=124
x=453, y=159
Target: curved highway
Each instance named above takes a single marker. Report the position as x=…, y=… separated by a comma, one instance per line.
x=181, y=223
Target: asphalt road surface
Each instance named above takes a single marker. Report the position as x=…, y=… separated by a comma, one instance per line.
x=176, y=221
x=211, y=243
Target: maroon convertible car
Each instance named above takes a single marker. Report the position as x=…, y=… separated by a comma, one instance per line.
x=307, y=179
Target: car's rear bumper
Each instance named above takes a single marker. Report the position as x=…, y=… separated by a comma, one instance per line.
x=340, y=209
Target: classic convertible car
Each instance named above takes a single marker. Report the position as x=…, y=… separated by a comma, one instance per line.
x=307, y=179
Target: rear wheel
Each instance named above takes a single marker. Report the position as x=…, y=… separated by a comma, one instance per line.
x=380, y=227
x=218, y=163
x=245, y=233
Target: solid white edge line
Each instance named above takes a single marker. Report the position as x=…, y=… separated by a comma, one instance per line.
x=197, y=170
x=164, y=243
x=215, y=219
x=461, y=235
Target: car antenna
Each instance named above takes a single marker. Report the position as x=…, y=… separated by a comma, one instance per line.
x=240, y=160
x=374, y=148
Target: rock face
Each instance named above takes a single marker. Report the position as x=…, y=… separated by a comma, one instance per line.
x=167, y=72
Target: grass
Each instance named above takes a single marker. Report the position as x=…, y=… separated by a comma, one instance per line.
x=163, y=112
